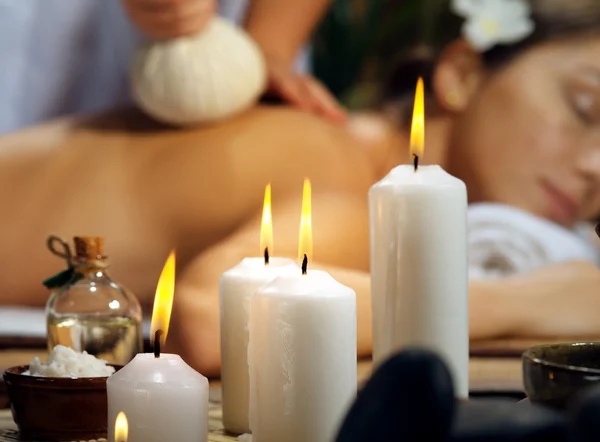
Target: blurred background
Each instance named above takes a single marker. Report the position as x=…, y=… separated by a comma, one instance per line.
x=359, y=42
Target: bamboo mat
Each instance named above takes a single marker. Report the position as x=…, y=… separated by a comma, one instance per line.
x=8, y=429
x=486, y=374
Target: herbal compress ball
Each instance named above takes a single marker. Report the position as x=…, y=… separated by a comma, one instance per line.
x=203, y=78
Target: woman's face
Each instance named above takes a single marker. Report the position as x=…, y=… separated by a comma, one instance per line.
x=530, y=137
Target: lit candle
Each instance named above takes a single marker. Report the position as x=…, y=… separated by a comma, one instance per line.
x=162, y=396
x=419, y=259
x=302, y=352
x=121, y=427
x=236, y=286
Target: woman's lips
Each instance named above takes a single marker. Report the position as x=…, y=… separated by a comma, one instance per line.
x=562, y=206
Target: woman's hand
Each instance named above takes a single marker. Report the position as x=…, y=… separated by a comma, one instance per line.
x=163, y=19
x=302, y=91
x=561, y=301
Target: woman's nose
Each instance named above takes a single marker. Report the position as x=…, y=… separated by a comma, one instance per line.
x=588, y=161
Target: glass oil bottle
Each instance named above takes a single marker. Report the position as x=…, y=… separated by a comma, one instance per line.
x=87, y=310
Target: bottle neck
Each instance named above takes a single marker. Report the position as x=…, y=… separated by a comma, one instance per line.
x=91, y=268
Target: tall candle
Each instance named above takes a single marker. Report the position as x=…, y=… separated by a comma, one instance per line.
x=236, y=286
x=302, y=354
x=161, y=395
x=419, y=260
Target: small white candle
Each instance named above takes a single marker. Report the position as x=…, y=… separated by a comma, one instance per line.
x=302, y=354
x=419, y=261
x=236, y=286
x=162, y=396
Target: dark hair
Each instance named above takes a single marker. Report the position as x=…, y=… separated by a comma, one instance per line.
x=554, y=20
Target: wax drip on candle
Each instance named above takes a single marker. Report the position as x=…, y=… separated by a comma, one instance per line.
x=157, y=336
x=415, y=161
x=304, y=264
x=266, y=255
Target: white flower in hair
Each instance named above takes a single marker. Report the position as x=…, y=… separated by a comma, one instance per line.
x=492, y=22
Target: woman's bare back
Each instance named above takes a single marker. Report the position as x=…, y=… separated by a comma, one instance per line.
x=148, y=188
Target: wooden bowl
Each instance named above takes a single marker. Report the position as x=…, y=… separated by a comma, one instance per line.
x=555, y=374
x=57, y=409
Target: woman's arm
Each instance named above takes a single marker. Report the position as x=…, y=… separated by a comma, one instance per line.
x=562, y=300
x=341, y=247
x=554, y=302
x=340, y=232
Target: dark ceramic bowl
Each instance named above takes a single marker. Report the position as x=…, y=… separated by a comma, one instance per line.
x=555, y=374
x=3, y=396
x=57, y=409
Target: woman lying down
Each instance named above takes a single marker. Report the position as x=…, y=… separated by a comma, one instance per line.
x=516, y=115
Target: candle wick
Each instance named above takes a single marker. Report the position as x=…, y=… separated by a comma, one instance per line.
x=415, y=161
x=157, y=336
x=304, y=264
x=266, y=255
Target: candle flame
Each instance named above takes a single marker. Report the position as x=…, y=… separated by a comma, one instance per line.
x=121, y=428
x=266, y=227
x=305, y=244
x=163, y=300
x=417, y=132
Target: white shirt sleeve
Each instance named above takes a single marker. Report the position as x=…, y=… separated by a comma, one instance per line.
x=62, y=57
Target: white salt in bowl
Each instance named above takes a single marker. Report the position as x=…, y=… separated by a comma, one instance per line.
x=57, y=408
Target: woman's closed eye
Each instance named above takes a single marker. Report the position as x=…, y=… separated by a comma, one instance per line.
x=583, y=93
x=586, y=104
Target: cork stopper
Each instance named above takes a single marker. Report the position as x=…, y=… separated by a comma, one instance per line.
x=89, y=247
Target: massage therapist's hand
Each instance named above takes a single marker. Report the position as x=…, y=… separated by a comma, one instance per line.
x=170, y=18
x=560, y=301
x=302, y=90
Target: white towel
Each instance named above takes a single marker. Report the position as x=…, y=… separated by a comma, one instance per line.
x=28, y=322
x=503, y=241
x=22, y=322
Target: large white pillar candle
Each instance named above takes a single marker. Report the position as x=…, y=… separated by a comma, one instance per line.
x=236, y=286
x=163, y=398
x=302, y=357
x=419, y=278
